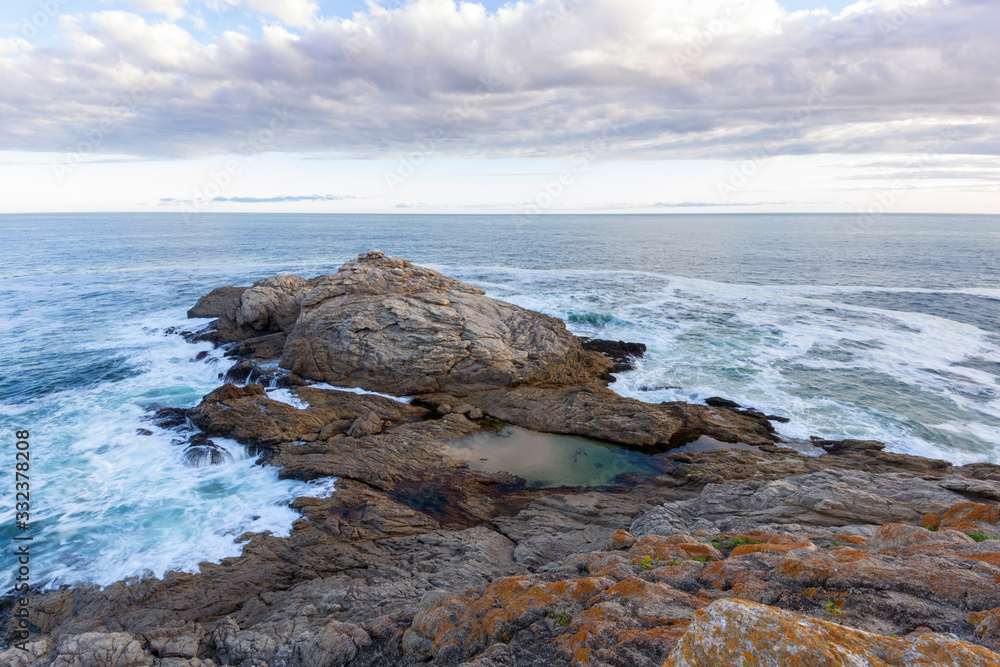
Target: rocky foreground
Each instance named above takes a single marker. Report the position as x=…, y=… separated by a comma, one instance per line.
x=760, y=556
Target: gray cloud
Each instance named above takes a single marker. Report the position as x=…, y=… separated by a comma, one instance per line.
x=526, y=81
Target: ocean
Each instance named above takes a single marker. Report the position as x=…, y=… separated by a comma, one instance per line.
x=886, y=329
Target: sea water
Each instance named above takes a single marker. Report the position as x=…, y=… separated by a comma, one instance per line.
x=886, y=329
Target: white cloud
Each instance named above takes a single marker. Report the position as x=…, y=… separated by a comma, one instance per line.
x=714, y=78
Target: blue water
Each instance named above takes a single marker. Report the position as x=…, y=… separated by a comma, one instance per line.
x=888, y=331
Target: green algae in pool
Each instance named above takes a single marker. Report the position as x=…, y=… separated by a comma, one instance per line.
x=545, y=460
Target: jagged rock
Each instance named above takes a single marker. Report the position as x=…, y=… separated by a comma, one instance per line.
x=597, y=412
x=733, y=632
x=90, y=649
x=218, y=302
x=621, y=353
x=247, y=415
x=263, y=347
x=366, y=424
x=270, y=306
x=384, y=324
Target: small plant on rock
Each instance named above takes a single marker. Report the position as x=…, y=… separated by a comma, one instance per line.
x=981, y=537
x=562, y=619
x=648, y=562
x=700, y=559
x=832, y=608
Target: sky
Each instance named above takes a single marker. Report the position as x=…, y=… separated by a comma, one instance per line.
x=530, y=107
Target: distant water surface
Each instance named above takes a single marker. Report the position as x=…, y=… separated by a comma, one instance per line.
x=888, y=330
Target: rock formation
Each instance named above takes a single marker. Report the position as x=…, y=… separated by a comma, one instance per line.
x=740, y=556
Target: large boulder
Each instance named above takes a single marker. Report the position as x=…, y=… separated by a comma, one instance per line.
x=383, y=324
x=736, y=632
x=217, y=302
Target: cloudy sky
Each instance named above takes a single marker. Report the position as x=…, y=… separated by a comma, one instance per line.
x=537, y=106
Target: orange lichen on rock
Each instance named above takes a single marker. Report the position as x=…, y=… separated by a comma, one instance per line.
x=986, y=623
x=736, y=632
x=930, y=521
x=674, y=547
x=780, y=547
x=620, y=540
x=972, y=517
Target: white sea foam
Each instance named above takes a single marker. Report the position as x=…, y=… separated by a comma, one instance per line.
x=109, y=503
x=359, y=390
x=836, y=369
x=286, y=396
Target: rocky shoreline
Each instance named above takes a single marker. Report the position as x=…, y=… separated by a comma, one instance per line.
x=761, y=554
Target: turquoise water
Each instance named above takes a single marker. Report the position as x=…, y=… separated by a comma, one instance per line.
x=889, y=331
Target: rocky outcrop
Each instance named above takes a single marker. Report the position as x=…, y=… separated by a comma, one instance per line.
x=270, y=306
x=218, y=302
x=716, y=557
x=383, y=324
x=623, y=354
x=597, y=412
x=734, y=632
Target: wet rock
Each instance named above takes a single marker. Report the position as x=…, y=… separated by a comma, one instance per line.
x=168, y=418
x=731, y=632
x=199, y=451
x=384, y=324
x=621, y=353
x=719, y=402
x=839, y=446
